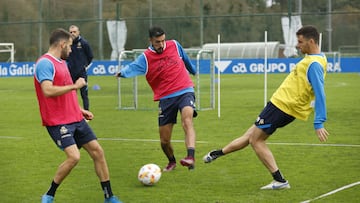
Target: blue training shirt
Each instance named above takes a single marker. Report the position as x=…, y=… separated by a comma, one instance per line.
x=316, y=78
x=44, y=70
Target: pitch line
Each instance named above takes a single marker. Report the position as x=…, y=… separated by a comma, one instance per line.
x=310, y=144
x=332, y=192
x=9, y=137
x=143, y=140
x=203, y=142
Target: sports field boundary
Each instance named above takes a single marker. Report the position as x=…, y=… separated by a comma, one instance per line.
x=312, y=144
x=332, y=192
x=205, y=142
x=143, y=140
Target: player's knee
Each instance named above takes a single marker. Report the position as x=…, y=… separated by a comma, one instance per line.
x=74, y=158
x=187, y=123
x=98, y=153
x=165, y=140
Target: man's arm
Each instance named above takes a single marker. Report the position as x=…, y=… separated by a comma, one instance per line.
x=88, y=52
x=51, y=90
x=316, y=78
x=137, y=67
x=44, y=74
x=189, y=66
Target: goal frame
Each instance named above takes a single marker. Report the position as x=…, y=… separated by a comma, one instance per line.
x=8, y=47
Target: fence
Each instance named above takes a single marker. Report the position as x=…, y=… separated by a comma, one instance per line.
x=235, y=21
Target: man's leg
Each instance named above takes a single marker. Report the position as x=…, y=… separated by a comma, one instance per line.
x=257, y=141
x=187, y=124
x=101, y=168
x=97, y=154
x=190, y=137
x=64, y=169
x=235, y=145
x=165, y=141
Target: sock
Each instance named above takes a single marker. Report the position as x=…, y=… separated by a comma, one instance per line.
x=278, y=176
x=52, y=189
x=107, y=189
x=168, y=151
x=172, y=159
x=191, y=152
x=217, y=153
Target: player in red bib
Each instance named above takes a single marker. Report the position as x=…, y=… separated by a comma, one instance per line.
x=62, y=116
x=166, y=67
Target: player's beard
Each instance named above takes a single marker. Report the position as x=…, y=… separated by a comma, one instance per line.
x=64, y=54
x=159, y=50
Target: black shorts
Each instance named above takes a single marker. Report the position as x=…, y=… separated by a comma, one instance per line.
x=169, y=107
x=78, y=133
x=272, y=118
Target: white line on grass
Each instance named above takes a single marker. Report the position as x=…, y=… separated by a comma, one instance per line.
x=272, y=143
x=309, y=144
x=332, y=192
x=142, y=140
x=9, y=137
x=204, y=142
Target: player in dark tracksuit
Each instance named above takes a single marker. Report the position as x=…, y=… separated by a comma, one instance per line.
x=79, y=59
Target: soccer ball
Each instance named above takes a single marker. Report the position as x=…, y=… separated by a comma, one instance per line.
x=149, y=174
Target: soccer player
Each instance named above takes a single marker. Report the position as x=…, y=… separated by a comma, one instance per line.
x=300, y=92
x=62, y=116
x=78, y=61
x=167, y=67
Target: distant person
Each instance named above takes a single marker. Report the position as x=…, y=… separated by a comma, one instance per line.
x=79, y=59
x=166, y=67
x=297, y=96
x=63, y=118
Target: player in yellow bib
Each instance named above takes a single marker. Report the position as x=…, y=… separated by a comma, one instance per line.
x=300, y=93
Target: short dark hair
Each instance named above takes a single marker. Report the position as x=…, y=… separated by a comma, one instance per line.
x=57, y=35
x=309, y=32
x=156, y=31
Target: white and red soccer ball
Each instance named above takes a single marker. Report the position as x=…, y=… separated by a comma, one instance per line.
x=149, y=174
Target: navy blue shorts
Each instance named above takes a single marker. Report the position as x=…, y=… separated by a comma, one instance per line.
x=272, y=118
x=78, y=133
x=168, y=108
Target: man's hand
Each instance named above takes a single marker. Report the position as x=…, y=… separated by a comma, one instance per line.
x=87, y=114
x=79, y=83
x=322, y=134
x=118, y=74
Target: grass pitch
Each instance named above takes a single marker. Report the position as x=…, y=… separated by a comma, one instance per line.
x=130, y=140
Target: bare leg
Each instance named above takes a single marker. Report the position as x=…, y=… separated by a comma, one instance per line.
x=187, y=124
x=238, y=143
x=72, y=158
x=256, y=137
x=165, y=140
x=257, y=141
x=97, y=154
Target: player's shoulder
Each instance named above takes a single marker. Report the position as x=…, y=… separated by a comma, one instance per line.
x=44, y=62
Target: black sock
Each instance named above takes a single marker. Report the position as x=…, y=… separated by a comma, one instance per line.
x=52, y=189
x=217, y=153
x=278, y=176
x=191, y=152
x=172, y=159
x=107, y=189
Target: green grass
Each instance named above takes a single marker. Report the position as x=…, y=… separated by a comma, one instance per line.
x=29, y=158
